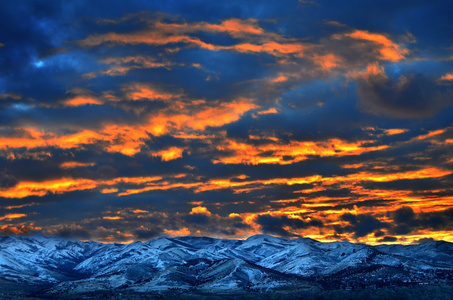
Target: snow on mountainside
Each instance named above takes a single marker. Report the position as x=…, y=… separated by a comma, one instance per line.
x=258, y=264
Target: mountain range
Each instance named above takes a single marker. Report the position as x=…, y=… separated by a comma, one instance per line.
x=259, y=267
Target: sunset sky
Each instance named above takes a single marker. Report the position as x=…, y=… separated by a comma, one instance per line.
x=129, y=120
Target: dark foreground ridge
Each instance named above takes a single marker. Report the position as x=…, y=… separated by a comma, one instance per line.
x=261, y=267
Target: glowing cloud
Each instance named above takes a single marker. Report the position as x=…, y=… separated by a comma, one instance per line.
x=388, y=49
x=181, y=232
x=73, y=164
x=13, y=216
x=292, y=152
x=447, y=77
x=170, y=153
x=200, y=210
x=394, y=131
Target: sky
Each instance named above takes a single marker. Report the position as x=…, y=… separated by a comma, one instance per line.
x=124, y=121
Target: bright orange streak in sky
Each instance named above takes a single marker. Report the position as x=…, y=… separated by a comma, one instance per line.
x=389, y=51
x=395, y=131
x=13, y=216
x=290, y=153
x=447, y=77
x=129, y=139
x=80, y=101
x=64, y=185
x=169, y=154
x=74, y=164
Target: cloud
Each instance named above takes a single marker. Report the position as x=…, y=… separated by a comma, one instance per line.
x=169, y=154
x=177, y=232
x=159, y=33
x=200, y=210
x=387, y=49
x=74, y=164
x=139, y=91
x=147, y=234
x=386, y=239
x=279, y=152
x=77, y=233
x=277, y=224
x=237, y=28
x=394, y=131
x=7, y=181
x=120, y=66
x=105, y=175
x=361, y=225
x=18, y=229
x=411, y=96
x=12, y=216
x=306, y=120
x=407, y=221
x=177, y=117
x=447, y=77
x=80, y=101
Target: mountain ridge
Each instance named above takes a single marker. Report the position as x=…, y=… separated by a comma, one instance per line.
x=52, y=266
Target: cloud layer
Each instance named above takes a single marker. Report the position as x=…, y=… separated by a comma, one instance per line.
x=128, y=121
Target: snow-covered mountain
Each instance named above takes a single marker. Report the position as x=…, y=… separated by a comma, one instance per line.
x=54, y=266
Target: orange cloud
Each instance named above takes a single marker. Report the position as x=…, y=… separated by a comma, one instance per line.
x=235, y=27
x=429, y=134
x=19, y=206
x=270, y=47
x=123, y=139
x=122, y=65
x=218, y=184
x=379, y=177
x=197, y=118
x=29, y=138
x=353, y=166
x=447, y=77
x=160, y=186
x=73, y=164
x=109, y=190
x=280, y=78
x=327, y=61
x=181, y=232
x=13, y=216
x=28, y=188
x=395, y=131
x=160, y=33
x=200, y=210
x=388, y=49
x=130, y=180
x=373, y=69
x=170, y=153
x=112, y=218
x=245, y=186
x=290, y=153
x=192, y=136
x=81, y=101
x=142, y=91
x=64, y=185
x=271, y=110
x=185, y=119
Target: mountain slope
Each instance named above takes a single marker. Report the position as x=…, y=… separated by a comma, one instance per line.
x=260, y=264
